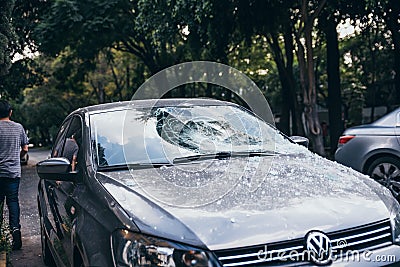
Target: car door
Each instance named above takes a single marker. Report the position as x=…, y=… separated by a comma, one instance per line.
x=48, y=199
x=60, y=195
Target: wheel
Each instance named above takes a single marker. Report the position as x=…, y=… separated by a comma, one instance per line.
x=386, y=171
x=47, y=257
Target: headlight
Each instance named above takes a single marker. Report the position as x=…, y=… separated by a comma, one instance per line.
x=394, y=207
x=391, y=204
x=132, y=249
x=395, y=219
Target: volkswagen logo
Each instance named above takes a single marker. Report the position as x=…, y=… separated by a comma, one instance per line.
x=319, y=248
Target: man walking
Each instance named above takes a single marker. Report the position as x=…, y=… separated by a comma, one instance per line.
x=13, y=145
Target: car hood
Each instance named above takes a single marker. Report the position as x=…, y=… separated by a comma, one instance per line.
x=240, y=202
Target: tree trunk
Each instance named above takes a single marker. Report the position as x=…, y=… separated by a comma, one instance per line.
x=128, y=80
x=289, y=105
x=334, y=92
x=307, y=74
x=310, y=99
x=295, y=107
x=284, y=124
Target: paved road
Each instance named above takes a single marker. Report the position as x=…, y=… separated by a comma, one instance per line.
x=30, y=254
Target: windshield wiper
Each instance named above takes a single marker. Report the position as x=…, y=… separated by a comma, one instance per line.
x=143, y=165
x=223, y=155
x=219, y=155
x=263, y=153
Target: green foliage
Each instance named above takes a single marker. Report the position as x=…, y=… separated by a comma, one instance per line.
x=22, y=74
x=17, y=20
x=7, y=35
x=79, y=24
x=62, y=89
x=102, y=51
x=159, y=33
x=25, y=17
x=353, y=101
x=254, y=59
x=46, y=104
x=367, y=72
x=116, y=77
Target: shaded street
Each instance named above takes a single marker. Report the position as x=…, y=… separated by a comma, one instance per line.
x=30, y=254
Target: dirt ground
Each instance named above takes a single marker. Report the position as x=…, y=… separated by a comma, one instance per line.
x=30, y=254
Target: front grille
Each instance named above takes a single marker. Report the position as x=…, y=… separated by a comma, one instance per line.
x=367, y=237
x=344, y=242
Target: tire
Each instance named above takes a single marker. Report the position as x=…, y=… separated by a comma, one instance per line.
x=47, y=257
x=386, y=171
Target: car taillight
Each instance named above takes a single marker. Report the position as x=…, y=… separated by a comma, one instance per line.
x=345, y=138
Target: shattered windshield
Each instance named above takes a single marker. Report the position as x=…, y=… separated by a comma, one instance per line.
x=161, y=134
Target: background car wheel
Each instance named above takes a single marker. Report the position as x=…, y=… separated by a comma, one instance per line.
x=386, y=171
x=47, y=257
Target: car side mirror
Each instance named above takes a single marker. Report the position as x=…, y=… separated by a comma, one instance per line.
x=300, y=140
x=57, y=169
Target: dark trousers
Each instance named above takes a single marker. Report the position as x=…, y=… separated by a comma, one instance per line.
x=9, y=188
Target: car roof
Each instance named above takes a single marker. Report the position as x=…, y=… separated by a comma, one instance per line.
x=154, y=103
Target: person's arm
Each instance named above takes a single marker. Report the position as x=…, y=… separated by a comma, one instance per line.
x=24, y=150
x=74, y=156
x=24, y=142
x=73, y=163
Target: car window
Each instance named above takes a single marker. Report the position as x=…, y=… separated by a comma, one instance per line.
x=60, y=140
x=390, y=120
x=69, y=139
x=72, y=147
x=160, y=134
x=75, y=128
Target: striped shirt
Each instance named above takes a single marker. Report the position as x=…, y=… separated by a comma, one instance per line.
x=12, y=137
x=71, y=149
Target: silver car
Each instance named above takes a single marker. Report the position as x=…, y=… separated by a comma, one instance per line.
x=374, y=149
